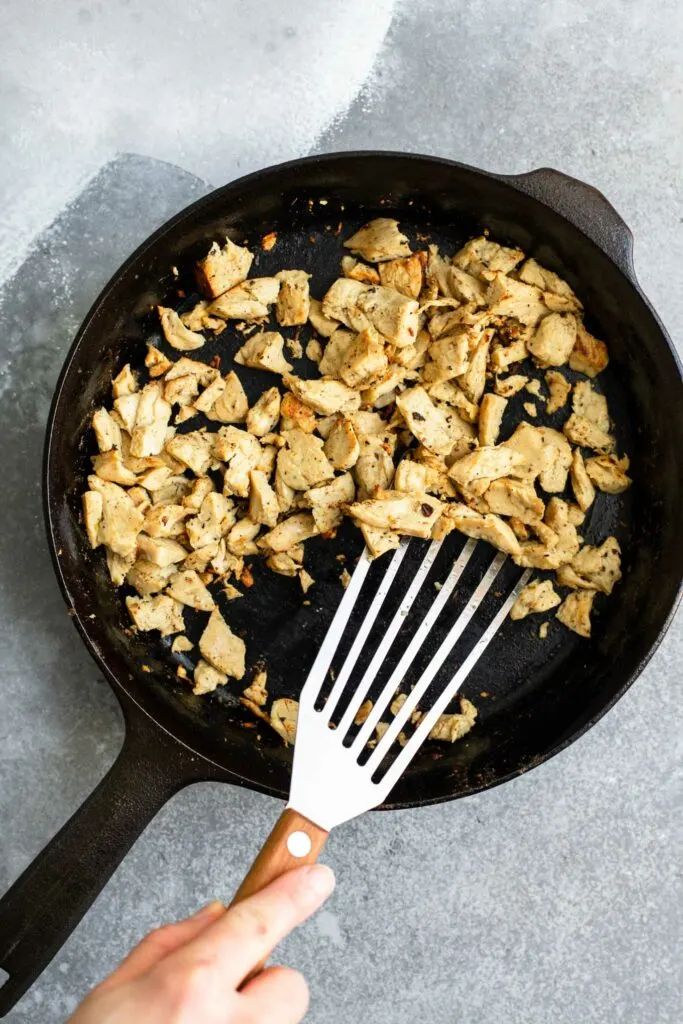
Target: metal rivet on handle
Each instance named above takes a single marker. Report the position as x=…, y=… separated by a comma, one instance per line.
x=299, y=844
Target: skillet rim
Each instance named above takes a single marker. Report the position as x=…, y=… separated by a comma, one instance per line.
x=128, y=701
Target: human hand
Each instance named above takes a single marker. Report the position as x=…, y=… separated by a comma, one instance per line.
x=191, y=972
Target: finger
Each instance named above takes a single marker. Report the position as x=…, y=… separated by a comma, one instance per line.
x=248, y=932
x=277, y=994
x=160, y=943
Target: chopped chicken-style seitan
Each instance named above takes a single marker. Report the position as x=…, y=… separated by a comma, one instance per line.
x=608, y=473
x=296, y=414
x=514, y=498
x=293, y=301
x=125, y=383
x=411, y=476
x=231, y=405
x=247, y=301
x=264, y=414
x=379, y=240
x=148, y=578
x=263, y=504
x=302, y=463
x=538, y=596
x=120, y=521
x=402, y=418
x=586, y=402
x=575, y=612
x=589, y=355
x=481, y=254
x=341, y=445
x=240, y=539
x=207, y=678
x=326, y=502
x=192, y=450
x=221, y=648
x=553, y=339
x=587, y=434
x=359, y=271
x=509, y=386
x=491, y=412
x=151, y=422
x=479, y=526
x=559, y=296
x=450, y=357
x=166, y=520
x=326, y=396
x=559, y=388
x=176, y=333
x=404, y=275
x=162, y=551
x=283, y=718
x=425, y=420
x=473, y=381
x=321, y=323
x=256, y=691
x=584, y=492
x=507, y=297
x=186, y=587
x=264, y=352
x=214, y=517
x=599, y=567
x=93, y=506
x=161, y=612
x=453, y=727
x=223, y=268
x=205, y=402
x=394, y=315
x=487, y=463
x=379, y=541
x=111, y=466
x=466, y=287
x=411, y=514
x=181, y=645
x=107, y=430
x=340, y=303
x=547, y=455
x=290, y=532
x=364, y=359
x=314, y=350
x=334, y=354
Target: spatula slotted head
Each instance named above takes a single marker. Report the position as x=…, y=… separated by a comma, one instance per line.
x=339, y=769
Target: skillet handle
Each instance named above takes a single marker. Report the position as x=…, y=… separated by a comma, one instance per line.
x=49, y=899
x=585, y=207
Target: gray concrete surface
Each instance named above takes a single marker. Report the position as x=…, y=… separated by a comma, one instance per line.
x=554, y=900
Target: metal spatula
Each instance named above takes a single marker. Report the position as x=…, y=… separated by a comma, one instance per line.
x=329, y=785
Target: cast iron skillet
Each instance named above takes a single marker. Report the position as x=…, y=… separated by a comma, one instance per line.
x=542, y=695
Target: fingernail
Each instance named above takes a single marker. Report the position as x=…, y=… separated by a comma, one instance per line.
x=319, y=880
x=210, y=910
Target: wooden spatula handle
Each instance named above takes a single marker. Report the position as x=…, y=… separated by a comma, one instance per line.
x=294, y=841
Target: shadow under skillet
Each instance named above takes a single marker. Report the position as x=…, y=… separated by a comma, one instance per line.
x=59, y=724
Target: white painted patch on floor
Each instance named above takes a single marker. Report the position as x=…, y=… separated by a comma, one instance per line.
x=328, y=927
x=219, y=87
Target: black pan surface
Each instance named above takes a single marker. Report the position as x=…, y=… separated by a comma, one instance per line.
x=534, y=696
